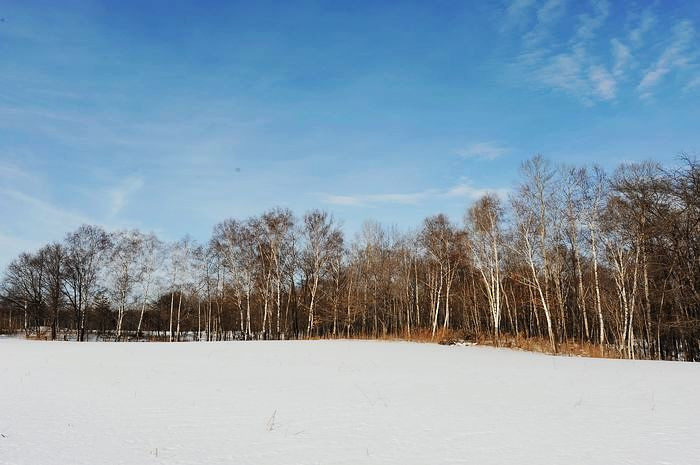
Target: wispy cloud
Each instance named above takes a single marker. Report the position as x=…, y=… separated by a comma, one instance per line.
x=564, y=72
x=516, y=12
x=546, y=15
x=603, y=82
x=39, y=217
x=646, y=23
x=463, y=190
x=677, y=54
x=581, y=66
x=574, y=74
x=467, y=191
x=411, y=198
x=590, y=22
x=621, y=57
x=693, y=84
x=44, y=215
x=483, y=150
x=12, y=172
x=566, y=65
x=119, y=195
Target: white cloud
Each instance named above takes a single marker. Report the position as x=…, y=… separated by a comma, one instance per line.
x=43, y=212
x=463, y=190
x=646, y=23
x=579, y=66
x=563, y=71
x=12, y=172
x=546, y=15
x=621, y=56
x=590, y=23
x=572, y=73
x=566, y=65
x=35, y=221
x=466, y=190
x=411, y=198
x=483, y=150
x=345, y=200
x=119, y=195
x=693, y=84
x=653, y=76
x=550, y=11
x=604, y=83
x=677, y=55
x=37, y=218
x=516, y=12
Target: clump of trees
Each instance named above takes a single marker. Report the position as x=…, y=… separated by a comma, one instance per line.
x=575, y=254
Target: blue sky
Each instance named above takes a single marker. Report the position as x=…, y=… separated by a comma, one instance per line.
x=171, y=116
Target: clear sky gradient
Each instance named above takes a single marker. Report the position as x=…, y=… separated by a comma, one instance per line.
x=172, y=116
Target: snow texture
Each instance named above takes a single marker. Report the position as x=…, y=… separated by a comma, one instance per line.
x=338, y=402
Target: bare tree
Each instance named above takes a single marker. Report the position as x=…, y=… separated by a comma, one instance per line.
x=53, y=257
x=178, y=268
x=277, y=228
x=595, y=193
x=322, y=240
x=23, y=288
x=85, y=251
x=484, y=224
x=531, y=206
x=149, y=260
x=123, y=269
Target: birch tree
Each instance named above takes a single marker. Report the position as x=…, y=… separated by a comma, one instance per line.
x=178, y=268
x=123, y=268
x=322, y=238
x=531, y=206
x=149, y=260
x=484, y=225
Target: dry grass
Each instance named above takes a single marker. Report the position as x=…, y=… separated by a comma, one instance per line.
x=533, y=344
x=423, y=335
x=542, y=345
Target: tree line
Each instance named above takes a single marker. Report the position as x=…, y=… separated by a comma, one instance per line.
x=574, y=254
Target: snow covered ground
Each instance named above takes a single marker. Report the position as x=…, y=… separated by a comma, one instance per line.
x=338, y=402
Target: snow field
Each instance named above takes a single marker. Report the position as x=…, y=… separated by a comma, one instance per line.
x=338, y=402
